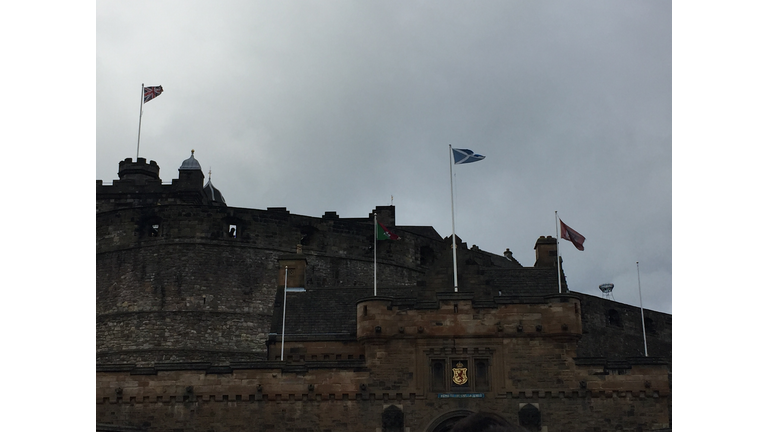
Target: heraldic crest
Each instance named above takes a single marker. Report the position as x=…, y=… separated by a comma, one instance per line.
x=460, y=374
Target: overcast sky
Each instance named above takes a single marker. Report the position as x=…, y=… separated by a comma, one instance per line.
x=346, y=105
x=569, y=101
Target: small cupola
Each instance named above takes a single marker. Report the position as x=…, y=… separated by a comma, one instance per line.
x=190, y=174
x=191, y=164
x=213, y=194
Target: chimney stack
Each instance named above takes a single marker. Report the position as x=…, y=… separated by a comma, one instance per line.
x=546, y=252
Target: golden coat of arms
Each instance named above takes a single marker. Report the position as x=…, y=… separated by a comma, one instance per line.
x=460, y=374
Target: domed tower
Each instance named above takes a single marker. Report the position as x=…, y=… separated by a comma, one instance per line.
x=190, y=174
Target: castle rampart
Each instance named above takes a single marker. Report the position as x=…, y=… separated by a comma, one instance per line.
x=190, y=324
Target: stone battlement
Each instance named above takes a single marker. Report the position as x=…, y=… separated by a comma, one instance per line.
x=556, y=316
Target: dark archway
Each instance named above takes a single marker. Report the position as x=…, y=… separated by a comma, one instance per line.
x=392, y=419
x=445, y=422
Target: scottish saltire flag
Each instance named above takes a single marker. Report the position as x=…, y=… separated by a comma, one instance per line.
x=462, y=156
x=152, y=92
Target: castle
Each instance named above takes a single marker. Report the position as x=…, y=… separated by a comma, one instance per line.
x=191, y=310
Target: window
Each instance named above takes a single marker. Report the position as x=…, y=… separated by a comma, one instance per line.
x=438, y=380
x=650, y=328
x=614, y=318
x=232, y=227
x=482, y=383
x=151, y=227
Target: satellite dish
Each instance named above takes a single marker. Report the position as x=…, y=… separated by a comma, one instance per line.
x=606, y=288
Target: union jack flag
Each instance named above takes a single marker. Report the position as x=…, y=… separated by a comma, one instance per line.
x=152, y=92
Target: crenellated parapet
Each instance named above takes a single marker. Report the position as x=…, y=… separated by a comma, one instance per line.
x=457, y=315
x=280, y=394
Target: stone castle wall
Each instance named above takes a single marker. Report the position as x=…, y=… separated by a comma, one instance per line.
x=285, y=397
x=615, y=330
x=170, y=277
x=187, y=289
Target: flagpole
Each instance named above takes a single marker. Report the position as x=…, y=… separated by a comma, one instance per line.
x=285, y=297
x=453, y=224
x=375, y=240
x=642, y=316
x=141, y=111
x=557, y=242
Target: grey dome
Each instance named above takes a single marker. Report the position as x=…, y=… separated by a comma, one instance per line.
x=191, y=163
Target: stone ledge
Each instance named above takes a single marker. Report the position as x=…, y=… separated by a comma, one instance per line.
x=282, y=396
x=105, y=427
x=623, y=363
x=208, y=368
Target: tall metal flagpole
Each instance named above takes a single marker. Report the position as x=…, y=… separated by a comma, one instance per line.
x=375, y=240
x=453, y=224
x=285, y=297
x=642, y=316
x=557, y=242
x=141, y=111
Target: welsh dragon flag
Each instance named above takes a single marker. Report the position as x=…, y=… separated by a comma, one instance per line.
x=382, y=233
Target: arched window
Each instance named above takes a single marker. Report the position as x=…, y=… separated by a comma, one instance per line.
x=438, y=375
x=650, y=328
x=482, y=381
x=613, y=318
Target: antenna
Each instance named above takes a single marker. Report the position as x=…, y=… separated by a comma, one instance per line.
x=607, y=290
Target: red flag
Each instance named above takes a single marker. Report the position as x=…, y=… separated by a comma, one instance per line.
x=571, y=235
x=152, y=92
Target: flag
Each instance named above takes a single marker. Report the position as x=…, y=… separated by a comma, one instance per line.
x=382, y=233
x=152, y=92
x=462, y=156
x=571, y=235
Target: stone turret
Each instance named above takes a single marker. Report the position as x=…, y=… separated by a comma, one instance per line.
x=138, y=171
x=546, y=252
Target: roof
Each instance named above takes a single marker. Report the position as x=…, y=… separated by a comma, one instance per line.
x=212, y=193
x=191, y=163
x=326, y=313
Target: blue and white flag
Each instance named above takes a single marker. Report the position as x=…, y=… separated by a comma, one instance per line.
x=462, y=156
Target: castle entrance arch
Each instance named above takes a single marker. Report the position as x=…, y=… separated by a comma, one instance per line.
x=445, y=422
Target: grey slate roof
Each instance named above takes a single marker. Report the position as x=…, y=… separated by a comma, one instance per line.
x=212, y=193
x=323, y=312
x=524, y=281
